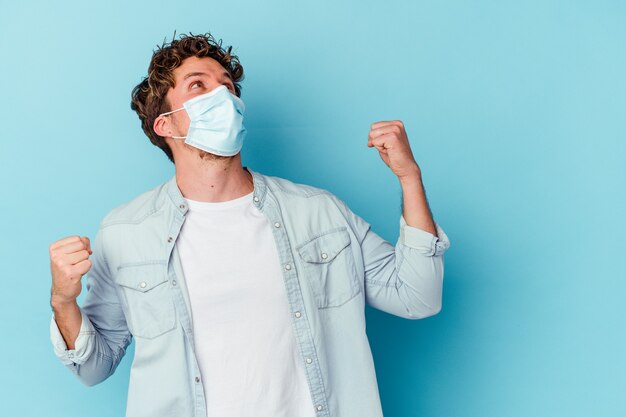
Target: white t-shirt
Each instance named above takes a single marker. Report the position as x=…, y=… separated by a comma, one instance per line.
x=244, y=340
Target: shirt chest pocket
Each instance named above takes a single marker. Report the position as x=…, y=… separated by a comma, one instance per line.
x=329, y=268
x=150, y=307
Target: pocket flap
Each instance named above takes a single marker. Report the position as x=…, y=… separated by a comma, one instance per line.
x=141, y=277
x=325, y=248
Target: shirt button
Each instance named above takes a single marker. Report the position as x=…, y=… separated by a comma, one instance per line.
x=256, y=199
x=197, y=379
x=309, y=360
x=174, y=282
x=169, y=239
x=298, y=314
x=324, y=255
x=277, y=225
x=143, y=284
x=319, y=408
x=70, y=355
x=182, y=206
x=287, y=267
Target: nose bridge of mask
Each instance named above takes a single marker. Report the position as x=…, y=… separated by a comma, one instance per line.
x=189, y=104
x=217, y=97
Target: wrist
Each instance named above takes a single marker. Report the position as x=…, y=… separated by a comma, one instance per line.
x=62, y=304
x=412, y=178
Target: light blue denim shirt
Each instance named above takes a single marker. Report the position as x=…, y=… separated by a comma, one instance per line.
x=332, y=264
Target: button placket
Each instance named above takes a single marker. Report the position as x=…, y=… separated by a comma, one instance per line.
x=316, y=383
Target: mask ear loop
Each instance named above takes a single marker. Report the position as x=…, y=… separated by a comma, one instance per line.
x=170, y=112
x=167, y=114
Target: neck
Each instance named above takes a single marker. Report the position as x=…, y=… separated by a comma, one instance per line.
x=214, y=181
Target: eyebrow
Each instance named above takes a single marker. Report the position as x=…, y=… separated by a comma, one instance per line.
x=225, y=73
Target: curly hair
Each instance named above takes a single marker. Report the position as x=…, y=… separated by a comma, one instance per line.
x=148, y=98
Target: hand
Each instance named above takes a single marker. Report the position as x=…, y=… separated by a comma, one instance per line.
x=390, y=138
x=68, y=263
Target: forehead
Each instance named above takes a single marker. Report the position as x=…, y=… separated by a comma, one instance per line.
x=195, y=64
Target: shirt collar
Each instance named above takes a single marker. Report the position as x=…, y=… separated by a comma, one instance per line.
x=258, y=198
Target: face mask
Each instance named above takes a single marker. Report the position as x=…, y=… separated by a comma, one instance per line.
x=216, y=122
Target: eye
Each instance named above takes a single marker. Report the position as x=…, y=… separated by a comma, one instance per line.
x=191, y=86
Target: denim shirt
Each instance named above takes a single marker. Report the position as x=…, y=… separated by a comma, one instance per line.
x=332, y=265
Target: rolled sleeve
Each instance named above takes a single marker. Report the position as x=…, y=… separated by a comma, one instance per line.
x=425, y=242
x=82, y=347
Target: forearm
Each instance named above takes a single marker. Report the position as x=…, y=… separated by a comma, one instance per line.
x=92, y=355
x=414, y=203
x=68, y=318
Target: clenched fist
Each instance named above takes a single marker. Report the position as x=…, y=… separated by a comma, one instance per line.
x=390, y=138
x=69, y=261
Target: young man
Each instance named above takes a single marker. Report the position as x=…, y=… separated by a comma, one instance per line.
x=244, y=293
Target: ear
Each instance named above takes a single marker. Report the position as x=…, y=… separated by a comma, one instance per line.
x=161, y=126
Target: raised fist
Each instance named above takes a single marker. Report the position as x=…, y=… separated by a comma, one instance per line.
x=69, y=261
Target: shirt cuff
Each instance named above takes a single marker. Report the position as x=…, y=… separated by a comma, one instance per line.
x=82, y=347
x=424, y=241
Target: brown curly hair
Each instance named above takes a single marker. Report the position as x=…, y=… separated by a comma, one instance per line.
x=148, y=98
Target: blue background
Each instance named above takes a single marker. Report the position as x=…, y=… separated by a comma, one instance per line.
x=516, y=113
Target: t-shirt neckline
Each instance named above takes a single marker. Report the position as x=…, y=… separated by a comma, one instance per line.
x=195, y=205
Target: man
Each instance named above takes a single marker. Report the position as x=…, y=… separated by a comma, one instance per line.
x=244, y=293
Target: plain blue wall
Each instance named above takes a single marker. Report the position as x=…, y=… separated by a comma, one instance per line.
x=516, y=112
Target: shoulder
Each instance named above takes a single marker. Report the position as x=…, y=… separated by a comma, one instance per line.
x=285, y=186
x=306, y=201
x=137, y=209
x=305, y=197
